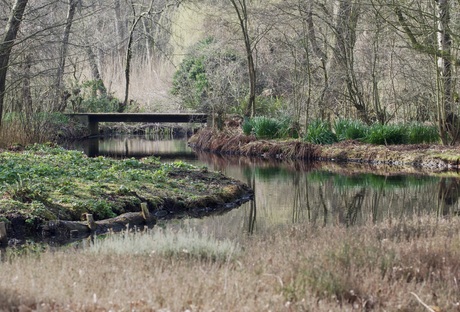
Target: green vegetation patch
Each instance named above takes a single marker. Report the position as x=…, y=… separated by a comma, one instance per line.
x=46, y=182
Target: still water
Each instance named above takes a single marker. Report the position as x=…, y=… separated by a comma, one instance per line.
x=291, y=192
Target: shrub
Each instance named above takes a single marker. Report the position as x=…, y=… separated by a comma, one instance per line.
x=288, y=128
x=347, y=129
x=319, y=132
x=92, y=97
x=208, y=78
x=269, y=106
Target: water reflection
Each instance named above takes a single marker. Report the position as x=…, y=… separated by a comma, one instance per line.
x=135, y=146
x=291, y=192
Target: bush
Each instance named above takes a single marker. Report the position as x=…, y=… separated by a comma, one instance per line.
x=319, y=132
x=347, y=129
x=209, y=78
x=92, y=97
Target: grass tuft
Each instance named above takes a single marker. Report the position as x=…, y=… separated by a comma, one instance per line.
x=319, y=132
x=348, y=129
x=166, y=243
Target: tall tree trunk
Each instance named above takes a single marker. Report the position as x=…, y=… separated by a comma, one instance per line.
x=342, y=61
x=129, y=55
x=242, y=13
x=129, y=52
x=61, y=99
x=6, y=45
x=448, y=119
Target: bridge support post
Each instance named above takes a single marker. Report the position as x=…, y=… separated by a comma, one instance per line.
x=93, y=127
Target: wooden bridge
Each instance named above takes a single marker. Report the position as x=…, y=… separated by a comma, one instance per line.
x=93, y=119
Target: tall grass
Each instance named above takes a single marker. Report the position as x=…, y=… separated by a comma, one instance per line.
x=373, y=267
x=24, y=129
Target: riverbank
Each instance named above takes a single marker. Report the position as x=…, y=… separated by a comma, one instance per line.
x=47, y=190
x=423, y=156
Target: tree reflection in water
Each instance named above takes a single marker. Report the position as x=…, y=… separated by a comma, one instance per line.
x=299, y=191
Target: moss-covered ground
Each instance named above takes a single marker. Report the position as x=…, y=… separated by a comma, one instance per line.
x=46, y=182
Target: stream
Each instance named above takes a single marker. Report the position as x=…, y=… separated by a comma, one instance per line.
x=290, y=192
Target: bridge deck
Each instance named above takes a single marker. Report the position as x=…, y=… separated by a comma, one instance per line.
x=143, y=117
x=93, y=119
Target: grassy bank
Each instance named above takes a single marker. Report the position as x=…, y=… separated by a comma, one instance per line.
x=300, y=267
x=233, y=141
x=44, y=183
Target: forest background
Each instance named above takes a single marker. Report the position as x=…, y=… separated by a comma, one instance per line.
x=377, y=61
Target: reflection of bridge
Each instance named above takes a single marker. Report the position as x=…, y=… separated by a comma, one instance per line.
x=93, y=119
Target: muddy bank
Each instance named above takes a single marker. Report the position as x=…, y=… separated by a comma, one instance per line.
x=233, y=142
x=48, y=191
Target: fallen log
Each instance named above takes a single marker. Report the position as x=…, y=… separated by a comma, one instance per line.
x=74, y=229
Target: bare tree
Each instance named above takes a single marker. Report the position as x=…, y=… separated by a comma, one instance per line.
x=6, y=45
x=241, y=10
x=448, y=121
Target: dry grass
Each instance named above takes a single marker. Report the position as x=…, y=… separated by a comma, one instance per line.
x=233, y=141
x=295, y=268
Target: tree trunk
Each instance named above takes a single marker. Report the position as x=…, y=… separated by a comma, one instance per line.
x=242, y=13
x=60, y=98
x=95, y=74
x=129, y=55
x=448, y=119
x=342, y=62
x=6, y=45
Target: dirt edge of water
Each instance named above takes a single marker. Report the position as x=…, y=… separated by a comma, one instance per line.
x=424, y=156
